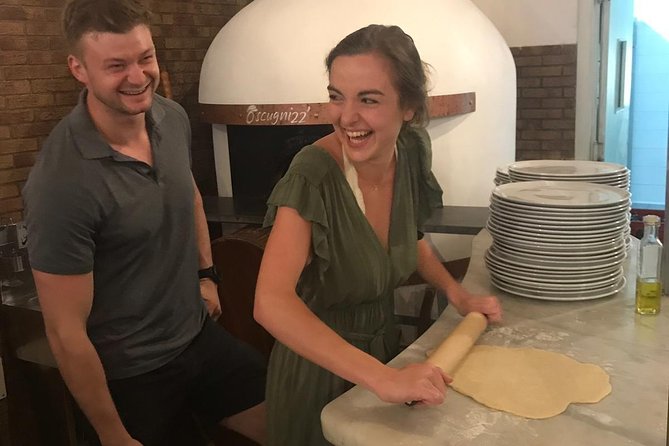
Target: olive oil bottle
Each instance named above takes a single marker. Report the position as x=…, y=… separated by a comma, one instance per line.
x=648, y=279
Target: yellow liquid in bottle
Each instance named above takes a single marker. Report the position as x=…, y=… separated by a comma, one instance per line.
x=648, y=294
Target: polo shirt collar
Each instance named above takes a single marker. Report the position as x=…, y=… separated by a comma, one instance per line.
x=88, y=139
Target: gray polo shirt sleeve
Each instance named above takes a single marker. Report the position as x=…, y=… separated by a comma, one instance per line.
x=60, y=218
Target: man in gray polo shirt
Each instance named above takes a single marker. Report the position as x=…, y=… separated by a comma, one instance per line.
x=117, y=239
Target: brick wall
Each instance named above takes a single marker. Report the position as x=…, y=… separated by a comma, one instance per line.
x=546, y=101
x=37, y=90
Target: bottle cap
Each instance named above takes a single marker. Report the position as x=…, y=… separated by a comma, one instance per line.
x=651, y=219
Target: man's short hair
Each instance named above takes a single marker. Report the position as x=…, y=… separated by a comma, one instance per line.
x=114, y=16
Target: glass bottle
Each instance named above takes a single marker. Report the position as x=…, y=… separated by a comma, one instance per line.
x=648, y=279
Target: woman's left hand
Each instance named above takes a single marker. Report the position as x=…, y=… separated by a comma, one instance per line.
x=466, y=302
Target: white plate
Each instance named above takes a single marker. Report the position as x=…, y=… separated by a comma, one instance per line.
x=546, y=223
x=558, y=248
x=600, y=180
x=610, y=254
x=562, y=194
x=566, y=168
x=588, y=178
x=555, y=218
x=558, y=230
x=574, y=258
x=534, y=209
x=528, y=262
x=563, y=264
x=550, y=275
x=542, y=295
x=622, y=184
x=555, y=285
x=551, y=242
x=506, y=234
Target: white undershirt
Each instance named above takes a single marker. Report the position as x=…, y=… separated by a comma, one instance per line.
x=352, y=178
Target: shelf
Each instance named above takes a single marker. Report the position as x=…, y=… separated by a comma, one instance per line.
x=314, y=113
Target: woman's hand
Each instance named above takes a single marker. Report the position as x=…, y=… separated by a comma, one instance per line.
x=424, y=383
x=434, y=273
x=466, y=302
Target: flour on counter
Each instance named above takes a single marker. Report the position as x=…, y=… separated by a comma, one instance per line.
x=478, y=421
x=510, y=335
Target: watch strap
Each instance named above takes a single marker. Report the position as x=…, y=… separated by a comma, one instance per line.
x=210, y=273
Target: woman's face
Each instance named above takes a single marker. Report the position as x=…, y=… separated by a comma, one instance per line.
x=364, y=106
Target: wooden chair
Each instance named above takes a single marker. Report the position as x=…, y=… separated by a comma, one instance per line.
x=237, y=258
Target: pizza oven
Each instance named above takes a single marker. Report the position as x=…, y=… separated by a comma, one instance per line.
x=263, y=89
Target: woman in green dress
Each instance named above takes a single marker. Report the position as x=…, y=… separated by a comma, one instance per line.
x=346, y=219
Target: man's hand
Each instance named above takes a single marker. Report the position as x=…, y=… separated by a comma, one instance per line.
x=209, y=291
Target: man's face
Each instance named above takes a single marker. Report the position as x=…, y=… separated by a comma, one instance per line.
x=120, y=70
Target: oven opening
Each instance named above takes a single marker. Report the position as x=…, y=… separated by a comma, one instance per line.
x=260, y=156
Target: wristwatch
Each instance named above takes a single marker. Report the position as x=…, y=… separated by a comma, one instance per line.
x=210, y=273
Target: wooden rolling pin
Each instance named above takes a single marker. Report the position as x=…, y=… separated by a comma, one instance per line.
x=455, y=347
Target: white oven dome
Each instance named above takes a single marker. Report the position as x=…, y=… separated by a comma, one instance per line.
x=273, y=51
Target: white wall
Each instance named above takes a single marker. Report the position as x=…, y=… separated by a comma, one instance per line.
x=533, y=22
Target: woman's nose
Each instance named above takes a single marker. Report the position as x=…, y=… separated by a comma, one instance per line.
x=349, y=113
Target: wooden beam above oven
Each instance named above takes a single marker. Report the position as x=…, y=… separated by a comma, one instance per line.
x=314, y=113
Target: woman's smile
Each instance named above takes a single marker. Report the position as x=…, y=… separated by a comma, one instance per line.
x=364, y=107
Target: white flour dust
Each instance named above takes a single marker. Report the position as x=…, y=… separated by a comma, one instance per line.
x=488, y=424
x=511, y=335
x=478, y=421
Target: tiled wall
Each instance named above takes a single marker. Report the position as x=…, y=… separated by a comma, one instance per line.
x=546, y=80
x=649, y=117
x=37, y=90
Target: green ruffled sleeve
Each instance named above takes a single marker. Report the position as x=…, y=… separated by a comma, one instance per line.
x=300, y=189
x=426, y=190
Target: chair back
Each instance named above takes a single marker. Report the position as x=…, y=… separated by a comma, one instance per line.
x=237, y=258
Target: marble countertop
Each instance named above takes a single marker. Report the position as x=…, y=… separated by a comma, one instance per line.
x=632, y=349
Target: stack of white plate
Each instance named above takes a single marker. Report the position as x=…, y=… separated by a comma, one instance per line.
x=558, y=240
x=598, y=172
x=502, y=175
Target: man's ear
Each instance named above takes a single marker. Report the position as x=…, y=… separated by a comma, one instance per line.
x=409, y=114
x=77, y=68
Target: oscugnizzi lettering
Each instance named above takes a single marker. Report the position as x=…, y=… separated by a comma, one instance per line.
x=253, y=115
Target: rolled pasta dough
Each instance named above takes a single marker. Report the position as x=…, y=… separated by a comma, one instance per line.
x=528, y=382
